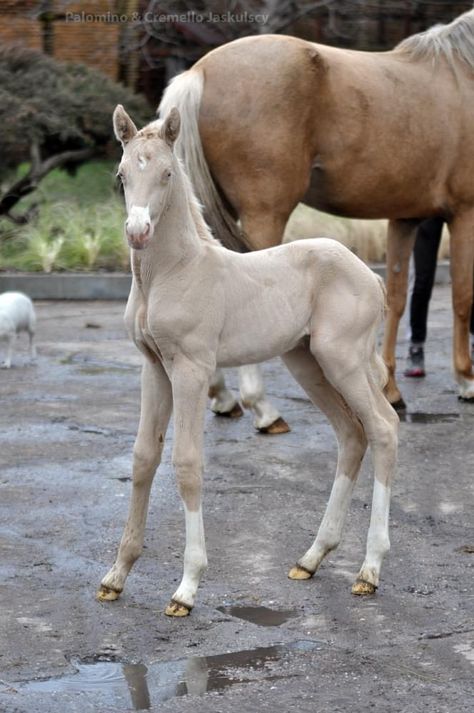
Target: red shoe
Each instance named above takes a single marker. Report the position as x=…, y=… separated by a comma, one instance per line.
x=415, y=368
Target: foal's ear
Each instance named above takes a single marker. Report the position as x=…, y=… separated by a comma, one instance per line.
x=124, y=127
x=170, y=127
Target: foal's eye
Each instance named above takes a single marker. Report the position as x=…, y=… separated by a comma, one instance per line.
x=167, y=175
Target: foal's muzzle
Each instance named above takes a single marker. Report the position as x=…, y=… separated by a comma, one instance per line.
x=138, y=239
x=138, y=227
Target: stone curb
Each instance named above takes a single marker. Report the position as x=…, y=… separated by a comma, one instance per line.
x=111, y=286
x=68, y=285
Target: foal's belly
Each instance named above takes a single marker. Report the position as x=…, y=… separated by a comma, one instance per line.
x=252, y=349
x=268, y=313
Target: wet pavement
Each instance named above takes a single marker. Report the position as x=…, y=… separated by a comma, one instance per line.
x=255, y=641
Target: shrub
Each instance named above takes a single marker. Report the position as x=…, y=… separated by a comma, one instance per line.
x=53, y=114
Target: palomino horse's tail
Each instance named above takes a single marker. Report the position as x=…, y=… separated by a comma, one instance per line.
x=185, y=93
x=378, y=367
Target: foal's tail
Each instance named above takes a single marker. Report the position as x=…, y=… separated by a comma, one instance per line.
x=185, y=92
x=378, y=367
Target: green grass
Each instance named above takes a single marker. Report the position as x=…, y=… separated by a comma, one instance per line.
x=79, y=224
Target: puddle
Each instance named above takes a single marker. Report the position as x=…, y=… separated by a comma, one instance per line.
x=117, y=684
x=259, y=615
x=421, y=417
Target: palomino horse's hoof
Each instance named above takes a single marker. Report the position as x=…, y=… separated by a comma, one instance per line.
x=235, y=412
x=106, y=594
x=299, y=572
x=399, y=405
x=278, y=426
x=361, y=588
x=177, y=609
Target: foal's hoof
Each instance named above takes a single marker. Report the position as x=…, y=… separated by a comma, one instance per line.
x=177, y=609
x=235, y=412
x=278, y=426
x=399, y=405
x=298, y=572
x=105, y=594
x=362, y=589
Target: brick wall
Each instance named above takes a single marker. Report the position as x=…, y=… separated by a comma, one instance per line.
x=18, y=25
x=73, y=31
x=83, y=36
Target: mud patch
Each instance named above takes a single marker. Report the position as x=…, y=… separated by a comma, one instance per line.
x=263, y=616
x=120, y=683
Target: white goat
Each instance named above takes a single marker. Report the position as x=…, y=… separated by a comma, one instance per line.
x=17, y=315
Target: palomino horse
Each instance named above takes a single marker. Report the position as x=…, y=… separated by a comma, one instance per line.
x=194, y=305
x=271, y=120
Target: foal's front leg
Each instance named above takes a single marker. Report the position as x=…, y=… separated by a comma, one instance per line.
x=190, y=384
x=156, y=403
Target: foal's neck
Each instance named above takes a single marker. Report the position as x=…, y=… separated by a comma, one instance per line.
x=175, y=241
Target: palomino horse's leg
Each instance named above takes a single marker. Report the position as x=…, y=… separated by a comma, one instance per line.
x=352, y=445
x=252, y=391
x=357, y=383
x=401, y=237
x=462, y=263
x=156, y=404
x=223, y=401
x=190, y=385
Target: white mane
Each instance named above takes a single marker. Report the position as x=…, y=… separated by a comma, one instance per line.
x=452, y=41
x=197, y=210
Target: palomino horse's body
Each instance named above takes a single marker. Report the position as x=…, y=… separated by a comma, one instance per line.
x=270, y=120
x=195, y=305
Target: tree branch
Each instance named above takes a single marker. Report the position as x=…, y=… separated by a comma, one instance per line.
x=38, y=170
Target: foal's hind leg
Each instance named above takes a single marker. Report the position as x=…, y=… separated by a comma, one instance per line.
x=156, y=403
x=355, y=379
x=351, y=444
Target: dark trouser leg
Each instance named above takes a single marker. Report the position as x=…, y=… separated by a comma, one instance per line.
x=425, y=254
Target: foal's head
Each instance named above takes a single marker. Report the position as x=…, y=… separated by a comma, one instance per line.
x=146, y=172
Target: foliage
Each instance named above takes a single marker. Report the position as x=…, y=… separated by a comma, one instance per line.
x=53, y=114
x=68, y=237
x=58, y=106
x=79, y=226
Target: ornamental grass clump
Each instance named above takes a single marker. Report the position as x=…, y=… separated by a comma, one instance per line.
x=66, y=236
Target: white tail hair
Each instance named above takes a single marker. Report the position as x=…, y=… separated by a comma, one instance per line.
x=185, y=93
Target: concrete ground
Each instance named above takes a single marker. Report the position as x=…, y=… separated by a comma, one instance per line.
x=255, y=641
